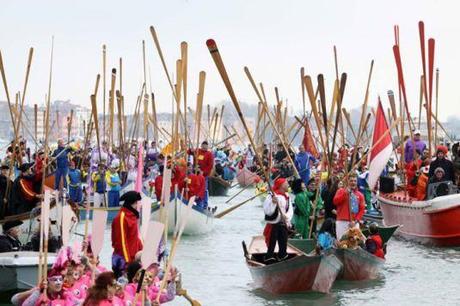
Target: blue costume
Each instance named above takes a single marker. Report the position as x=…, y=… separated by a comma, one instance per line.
x=62, y=163
x=302, y=163
x=74, y=183
x=113, y=181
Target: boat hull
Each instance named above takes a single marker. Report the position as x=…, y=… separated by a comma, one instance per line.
x=299, y=274
x=433, y=222
x=19, y=270
x=199, y=221
x=358, y=264
x=245, y=178
x=217, y=187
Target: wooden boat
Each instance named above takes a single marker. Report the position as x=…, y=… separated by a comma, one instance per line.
x=217, y=186
x=299, y=273
x=199, y=221
x=433, y=222
x=19, y=270
x=245, y=177
x=358, y=264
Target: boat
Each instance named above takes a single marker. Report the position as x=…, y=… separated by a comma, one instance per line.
x=432, y=222
x=19, y=270
x=245, y=177
x=199, y=221
x=299, y=273
x=358, y=264
x=217, y=186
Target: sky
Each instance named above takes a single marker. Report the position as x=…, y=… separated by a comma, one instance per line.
x=273, y=38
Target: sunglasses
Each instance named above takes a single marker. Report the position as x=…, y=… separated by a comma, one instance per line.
x=56, y=279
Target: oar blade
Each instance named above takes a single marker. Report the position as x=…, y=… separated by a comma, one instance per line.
x=155, y=233
x=67, y=215
x=98, y=230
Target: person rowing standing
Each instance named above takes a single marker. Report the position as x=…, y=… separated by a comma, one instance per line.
x=278, y=214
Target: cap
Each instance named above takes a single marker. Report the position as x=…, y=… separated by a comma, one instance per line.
x=416, y=132
x=131, y=197
x=10, y=224
x=24, y=167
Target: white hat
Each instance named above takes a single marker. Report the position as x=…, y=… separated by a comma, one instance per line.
x=115, y=164
x=417, y=132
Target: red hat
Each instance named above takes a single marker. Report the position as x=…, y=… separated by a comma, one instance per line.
x=278, y=182
x=442, y=149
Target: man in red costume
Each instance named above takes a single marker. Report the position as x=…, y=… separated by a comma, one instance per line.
x=196, y=186
x=125, y=233
x=347, y=198
x=205, y=160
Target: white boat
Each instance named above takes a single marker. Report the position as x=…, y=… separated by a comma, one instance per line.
x=199, y=221
x=19, y=270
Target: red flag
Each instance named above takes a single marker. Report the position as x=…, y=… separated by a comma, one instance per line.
x=381, y=151
x=308, y=141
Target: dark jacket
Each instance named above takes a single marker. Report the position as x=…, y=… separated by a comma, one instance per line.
x=9, y=244
x=328, y=199
x=446, y=165
x=23, y=197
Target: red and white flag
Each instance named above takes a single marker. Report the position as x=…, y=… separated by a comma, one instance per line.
x=381, y=152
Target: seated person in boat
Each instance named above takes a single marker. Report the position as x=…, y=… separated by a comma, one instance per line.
x=326, y=236
x=278, y=213
x=9, y=241
x=438, y=177
x=442, y=162
x=125, y=233
x=24, y=194
x=374, y=243
x=302, y=208
x=422, y=184
x=346, y=199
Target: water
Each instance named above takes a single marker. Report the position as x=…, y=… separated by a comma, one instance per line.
x=215, y=273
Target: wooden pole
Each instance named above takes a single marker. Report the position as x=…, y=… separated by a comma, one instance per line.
x=104, y=59
x=112, y=106
x=436, y=110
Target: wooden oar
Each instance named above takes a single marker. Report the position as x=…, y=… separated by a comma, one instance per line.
x=67, y=216
x=98, y=230
x=232, y=208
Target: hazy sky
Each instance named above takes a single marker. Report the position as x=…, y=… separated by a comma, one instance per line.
x=273, y=38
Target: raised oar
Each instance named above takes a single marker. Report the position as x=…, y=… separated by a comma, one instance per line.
x=302, y=84
x=343, y=81
x=347, y=117
x=436, y=110
x=314, y=108
x=211, y=44
x=278, y=134
x=322, y=98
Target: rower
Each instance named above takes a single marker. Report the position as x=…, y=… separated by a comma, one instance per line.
x=346, y=199
x=62, y=162
x=24, y=196
x=9, y=241
x=303, y=160
x=278, y=214
x=100, y=186
x=412, y=145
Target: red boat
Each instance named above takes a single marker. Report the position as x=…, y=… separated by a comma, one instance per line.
x=434, y=222
x=300, y=273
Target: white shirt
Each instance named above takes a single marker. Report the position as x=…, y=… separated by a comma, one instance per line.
x=285, y=206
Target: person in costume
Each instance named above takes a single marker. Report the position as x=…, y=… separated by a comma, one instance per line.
x=61, y=154
x=346, y=199
x=3, y=184
x=314, y=195
x=113, y=181
x=103, y=291
x=422, y=184
x=9, y=241
x=74, y=182
x=205, y=160
x=100, y=186
x=278, y=214
x=374, y=243
x=303, y=160
x=125, y=233
x=55, y=294
x=23, y=196
x=195, y=186
x=302, y=208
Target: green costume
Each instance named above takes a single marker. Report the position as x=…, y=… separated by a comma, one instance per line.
x=302, y=211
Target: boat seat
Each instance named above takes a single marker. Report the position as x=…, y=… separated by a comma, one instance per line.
x=441, y=189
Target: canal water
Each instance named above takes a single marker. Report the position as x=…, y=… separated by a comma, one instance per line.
x=215, y=273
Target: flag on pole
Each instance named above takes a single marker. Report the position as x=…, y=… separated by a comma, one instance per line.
x=308, y=141
x=381, y=151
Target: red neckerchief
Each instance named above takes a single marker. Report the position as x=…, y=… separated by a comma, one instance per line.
x=281, y=194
